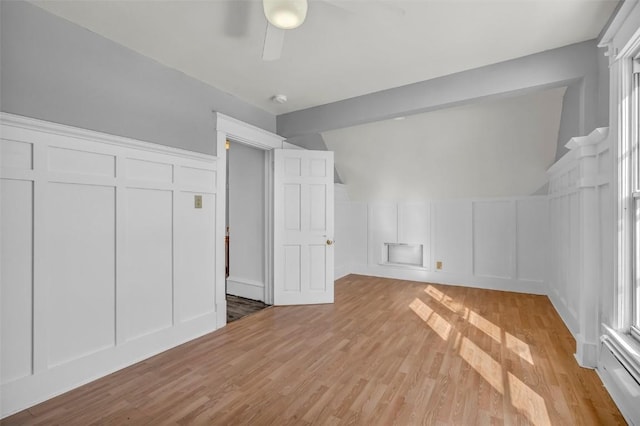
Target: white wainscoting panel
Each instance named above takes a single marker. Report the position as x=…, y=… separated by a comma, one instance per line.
x=343, y=231
x=532, y=233
x=81, y=283
x=383, y=228
x=16, y=155
x=194, y=270
x=453, y=243
x=16, y=292
x=148, y=286
x=493, y=238
x=149, y=171
x=581, y=245
x=81, y=162
x=487, y=243
x=105, y=258
x=414, y=221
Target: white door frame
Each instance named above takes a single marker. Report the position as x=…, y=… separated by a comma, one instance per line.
x=228, y=128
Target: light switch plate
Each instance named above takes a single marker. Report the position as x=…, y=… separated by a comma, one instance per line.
x=198, y=201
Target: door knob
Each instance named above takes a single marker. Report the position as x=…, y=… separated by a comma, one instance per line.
x=329, y=242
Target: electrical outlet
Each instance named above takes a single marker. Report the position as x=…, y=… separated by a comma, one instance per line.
x=438, y=264
x=198, y=201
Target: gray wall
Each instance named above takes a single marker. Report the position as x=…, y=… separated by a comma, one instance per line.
x=57, y=71
x=246, y=219
x=552, y=68
x=585, y=105
x=602, y=119
x=580, y=67
x=570, y=119
x=314, y=142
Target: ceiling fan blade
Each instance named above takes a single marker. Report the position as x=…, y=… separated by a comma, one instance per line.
x=273, y=41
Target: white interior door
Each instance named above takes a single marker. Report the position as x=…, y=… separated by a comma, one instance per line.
x=303, y=227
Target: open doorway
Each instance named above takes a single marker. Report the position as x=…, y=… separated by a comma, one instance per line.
x=245, y=230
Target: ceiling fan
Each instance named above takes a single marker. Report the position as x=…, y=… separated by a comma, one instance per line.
x=283, y=15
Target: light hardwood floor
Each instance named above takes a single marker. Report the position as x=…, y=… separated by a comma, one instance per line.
x=387, y=352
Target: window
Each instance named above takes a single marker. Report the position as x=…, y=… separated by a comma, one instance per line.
x=633, y=124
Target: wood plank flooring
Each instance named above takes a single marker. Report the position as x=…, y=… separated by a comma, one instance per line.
x=239, y=307
x=387, y=352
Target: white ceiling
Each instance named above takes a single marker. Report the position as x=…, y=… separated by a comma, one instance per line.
x=339, y=52
x=492, y=148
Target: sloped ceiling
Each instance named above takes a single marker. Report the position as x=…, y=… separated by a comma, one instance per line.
x=344, y=49
x=351, y=48
x=492, y=148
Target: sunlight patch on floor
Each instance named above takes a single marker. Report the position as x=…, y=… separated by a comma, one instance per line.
x=512, y=343
x=446, y=301
x=522, y=397
x=479, y=360
x=528, y=402
x=518, y=347
x=438, y=324
x=486, y=326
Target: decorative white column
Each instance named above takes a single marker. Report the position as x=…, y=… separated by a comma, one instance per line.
x=589, y=274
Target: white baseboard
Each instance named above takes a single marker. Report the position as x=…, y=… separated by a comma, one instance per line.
x=28, y=391
x=563, y=310
x=586, y=352
x=249, y=289
x=342, y=271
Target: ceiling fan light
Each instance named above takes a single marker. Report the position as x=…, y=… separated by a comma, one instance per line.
x=285, y=14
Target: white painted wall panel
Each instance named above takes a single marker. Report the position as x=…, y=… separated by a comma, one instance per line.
x=450, y=232
x=383, y=228
x=605, y=203
x=453, y=237
x=344, y=230
x=493, y=238
x=197, y=178
x=81, y=280
x=16, y=155
x=149, y=170
x=148, y=287
x=359, y=233
x=93, y=285
x=16, y=226
x=82, y=162
x=414, y=227
x=532, y=234
x=195, y=269
x=573, y=255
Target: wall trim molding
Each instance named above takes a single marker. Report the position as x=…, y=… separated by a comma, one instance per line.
x=108, y=174
x=33, y=124
x=20, y=394
x=249, y=289
x=246, y=133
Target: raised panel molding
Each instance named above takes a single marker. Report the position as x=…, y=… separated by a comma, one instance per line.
x=106, y=259
x=579, y=223
x=486, y=243
x=16, y=276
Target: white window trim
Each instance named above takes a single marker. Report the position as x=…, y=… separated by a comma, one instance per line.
x=622, y=38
